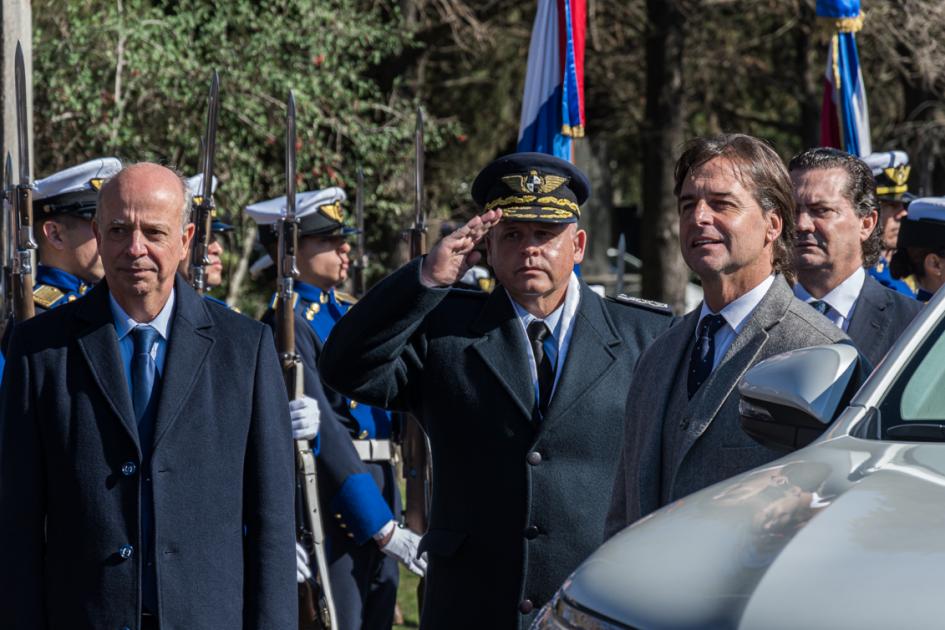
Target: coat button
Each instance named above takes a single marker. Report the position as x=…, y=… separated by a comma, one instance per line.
x=128, y=469
x=125, y=551
x=363, y=435
x=533, y=458
x=531, y=532
x=526, y=606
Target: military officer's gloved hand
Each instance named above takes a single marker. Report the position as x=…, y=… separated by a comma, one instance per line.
x=302, y=571
x=305, y=418
x=401, y=544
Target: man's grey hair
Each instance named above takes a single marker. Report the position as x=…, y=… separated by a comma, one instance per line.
x=186, y=209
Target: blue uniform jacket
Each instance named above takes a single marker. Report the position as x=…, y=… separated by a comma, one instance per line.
x=349, y=490
x=880, y=271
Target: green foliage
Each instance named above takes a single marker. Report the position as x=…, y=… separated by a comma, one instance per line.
x=130, y=78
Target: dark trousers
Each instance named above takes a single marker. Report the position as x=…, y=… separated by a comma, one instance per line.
x=149, y=623
x=363, y=580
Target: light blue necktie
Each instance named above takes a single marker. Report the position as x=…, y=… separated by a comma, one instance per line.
x=143, y=374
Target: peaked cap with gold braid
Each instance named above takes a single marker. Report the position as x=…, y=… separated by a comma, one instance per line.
x=532, y=187
x=320, y=213
x=74, y=190
x=891, y=172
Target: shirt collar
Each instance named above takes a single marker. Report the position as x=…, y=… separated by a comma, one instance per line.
x=842, y=297
x=736, y=312
x=125, y=322
x=558, y=319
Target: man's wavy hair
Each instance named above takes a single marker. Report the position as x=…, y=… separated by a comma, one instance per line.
x=860, y=190
x=761, y=171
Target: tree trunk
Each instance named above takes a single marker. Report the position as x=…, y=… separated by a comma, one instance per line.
x=807, y=48
x=664, y=272
x=591, y=155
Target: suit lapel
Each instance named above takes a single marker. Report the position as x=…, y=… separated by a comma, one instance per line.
x=866, y=325
x=99, y=345
x=187, y=351
x=591, y=353
x=745, y=348
x=501, y=346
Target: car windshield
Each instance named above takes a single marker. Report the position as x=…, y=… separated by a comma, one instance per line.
x=918, y=397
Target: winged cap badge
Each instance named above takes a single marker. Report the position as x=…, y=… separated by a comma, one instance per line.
x=534, y=183
x=898, y=174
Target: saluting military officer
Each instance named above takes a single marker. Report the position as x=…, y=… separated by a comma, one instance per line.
x=356, y=479
x=891, y=172
x=521, y=391
x=218, y=231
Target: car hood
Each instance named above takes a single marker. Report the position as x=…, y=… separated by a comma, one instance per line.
x=844, y=533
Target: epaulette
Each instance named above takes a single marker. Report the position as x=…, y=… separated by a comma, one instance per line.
x=46, y=295
x=341, y=296
x=650, y=305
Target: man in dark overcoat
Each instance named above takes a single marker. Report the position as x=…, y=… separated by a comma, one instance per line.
x=520, y=391
x=146, y=460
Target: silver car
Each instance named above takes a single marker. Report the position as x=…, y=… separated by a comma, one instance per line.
x=848, y=532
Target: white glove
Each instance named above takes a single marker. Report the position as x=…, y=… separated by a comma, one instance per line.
x=302, y=572
x=305, y=418
x=402, y=546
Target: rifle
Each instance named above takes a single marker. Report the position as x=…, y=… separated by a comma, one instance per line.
x=359, y=265
x=22, y=272
x=414, y=446
x=315, y=600
x=203, y=210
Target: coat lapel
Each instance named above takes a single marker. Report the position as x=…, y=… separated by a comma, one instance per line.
x=187, y=351
x=501, y=346
x=741, y=355
x=866, y=326
x=591, y=353
x=99, y=345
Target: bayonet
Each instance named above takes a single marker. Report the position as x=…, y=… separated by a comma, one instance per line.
x=360, y=257
x=23, y=203
x=203, y=208
x=621, y=262
x=309, y=524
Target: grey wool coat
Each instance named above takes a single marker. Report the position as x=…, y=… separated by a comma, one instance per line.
x=71, y=475
x=713, y=445
x=517, y=503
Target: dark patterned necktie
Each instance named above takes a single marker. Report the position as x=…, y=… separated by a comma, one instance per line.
x=820, y=306
x=540, y=338
x=703, y=354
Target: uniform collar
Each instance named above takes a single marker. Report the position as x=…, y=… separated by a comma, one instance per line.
x=842, y=297
x=311, y=293
x=60, y=279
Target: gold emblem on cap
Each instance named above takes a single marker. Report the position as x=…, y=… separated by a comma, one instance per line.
x=96, y=183
x=332, y=211
x=534, y=183
x=898, y=174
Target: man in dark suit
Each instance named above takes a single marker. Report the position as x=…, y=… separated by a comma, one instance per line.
x=515, y=389
x=838, y=238
x=146, y=462
x=736, y=223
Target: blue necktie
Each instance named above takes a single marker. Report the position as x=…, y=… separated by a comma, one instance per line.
x=703, y=354
x=545, y=351
x=143, y=370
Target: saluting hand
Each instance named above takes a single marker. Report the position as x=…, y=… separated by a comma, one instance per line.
x=452, y=257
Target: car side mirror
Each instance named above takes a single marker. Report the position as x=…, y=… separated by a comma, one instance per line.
x=789, y=399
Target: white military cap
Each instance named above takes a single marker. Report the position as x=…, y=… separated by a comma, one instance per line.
x=73, y=190
x=891, y=172
x=318, y=212
x=924, y=224
x=195, y=184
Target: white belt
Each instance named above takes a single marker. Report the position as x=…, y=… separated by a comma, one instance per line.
x=373, y=450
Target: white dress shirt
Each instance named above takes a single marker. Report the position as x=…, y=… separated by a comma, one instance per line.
x=735, y=314
x=842, y=299
x=561, y=324
x=126, y=343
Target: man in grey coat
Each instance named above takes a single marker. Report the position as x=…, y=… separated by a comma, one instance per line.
x=520, y=392
x=838, y=237
x=146, y=461
x=736, y=223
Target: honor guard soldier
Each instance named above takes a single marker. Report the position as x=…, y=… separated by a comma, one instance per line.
x=356, y=478
x=521, y=391
x=215, y=252
x=63, y=207
x=921, y=247
x=891, y=172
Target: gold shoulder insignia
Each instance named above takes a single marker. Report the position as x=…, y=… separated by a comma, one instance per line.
x=341, y=296
x=46, y=295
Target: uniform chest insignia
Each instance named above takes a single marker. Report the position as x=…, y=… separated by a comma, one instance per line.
x=312, y=311
x=46, y=295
